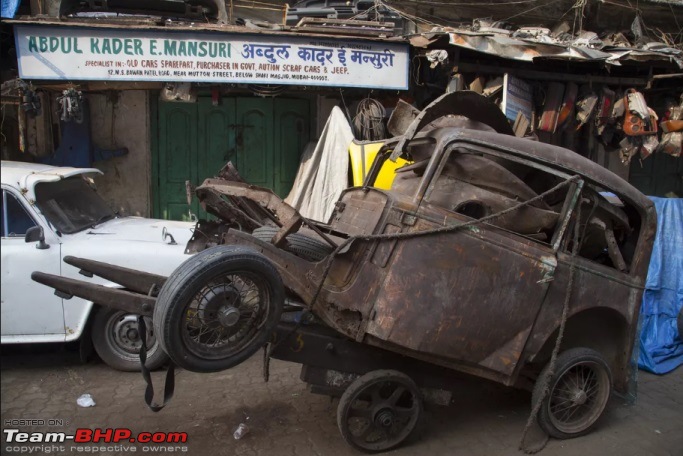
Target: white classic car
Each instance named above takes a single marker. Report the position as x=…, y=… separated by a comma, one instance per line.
x=49, y=213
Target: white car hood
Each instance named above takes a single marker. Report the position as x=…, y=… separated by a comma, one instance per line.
x=138, y=229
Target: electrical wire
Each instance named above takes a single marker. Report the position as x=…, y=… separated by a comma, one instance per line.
x=432, y=3
x=415, y=19
x=579, y=8
x=369, y=120
x=346, y=108
x=532, y=9
x=264, y=90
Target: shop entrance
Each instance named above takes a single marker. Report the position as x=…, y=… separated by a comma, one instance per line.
x=263, y=137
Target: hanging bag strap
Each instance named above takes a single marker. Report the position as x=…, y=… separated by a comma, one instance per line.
x=169, y=386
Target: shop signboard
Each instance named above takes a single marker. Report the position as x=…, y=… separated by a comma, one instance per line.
x=107, y=54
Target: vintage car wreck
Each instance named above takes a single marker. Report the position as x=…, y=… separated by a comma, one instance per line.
x=484, y=249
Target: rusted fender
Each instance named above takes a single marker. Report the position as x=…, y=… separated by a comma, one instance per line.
x=111, y=297
x=287, y=217
x=263, y=196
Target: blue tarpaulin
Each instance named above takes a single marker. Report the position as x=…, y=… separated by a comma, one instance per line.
x=661, y=347
x=9, y=8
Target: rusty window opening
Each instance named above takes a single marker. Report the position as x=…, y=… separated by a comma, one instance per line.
x=608, y=232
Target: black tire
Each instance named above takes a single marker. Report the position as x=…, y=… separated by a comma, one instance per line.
x=228, y=292
x=116, y=340
x=577, y=393
x=680, y=324
x=388, y=402
x=299, y=244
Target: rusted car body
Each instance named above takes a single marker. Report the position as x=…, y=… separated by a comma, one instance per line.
x=483, y=248
x=486, y=300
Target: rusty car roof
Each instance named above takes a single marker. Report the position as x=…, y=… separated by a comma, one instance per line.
x=555, y=157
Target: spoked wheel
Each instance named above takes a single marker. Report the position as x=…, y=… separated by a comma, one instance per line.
x=577, y=393
x=218, y=308
x=379, y=410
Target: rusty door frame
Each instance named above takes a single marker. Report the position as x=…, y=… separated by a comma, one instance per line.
x=437, y=161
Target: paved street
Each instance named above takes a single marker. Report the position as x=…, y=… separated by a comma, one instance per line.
x=285, y=419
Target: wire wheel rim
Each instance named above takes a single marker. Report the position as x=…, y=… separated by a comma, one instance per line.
x=225, y=315
x=578, y=397
x=381, y=415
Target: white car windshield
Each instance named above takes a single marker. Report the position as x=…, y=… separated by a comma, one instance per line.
x=72, y=205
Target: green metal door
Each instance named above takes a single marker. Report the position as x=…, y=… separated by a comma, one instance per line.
x=292, y=133
x=254, y=140
x=263, y=137
x=177, y=159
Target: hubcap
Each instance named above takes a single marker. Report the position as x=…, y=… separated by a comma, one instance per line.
x=126, y=334
x=228, y=316
x=220, y=304
x=580, y=397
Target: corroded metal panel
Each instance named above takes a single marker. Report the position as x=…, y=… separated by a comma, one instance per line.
x=358, y=211
x=467, y=296
x=110, y=297
x=485, y=299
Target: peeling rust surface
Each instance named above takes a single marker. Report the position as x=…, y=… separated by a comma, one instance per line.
x=131, y=279
x=110, y=297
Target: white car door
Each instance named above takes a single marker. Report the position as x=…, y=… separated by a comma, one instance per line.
x=30, y=311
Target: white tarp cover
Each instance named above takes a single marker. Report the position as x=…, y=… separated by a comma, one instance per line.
x=323, y=171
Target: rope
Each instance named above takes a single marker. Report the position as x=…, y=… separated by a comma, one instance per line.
x=268, y=348
x=445, y=229
x=452, y=228
x=545, y=381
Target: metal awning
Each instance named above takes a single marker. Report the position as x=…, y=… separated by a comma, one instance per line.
x=531, y=50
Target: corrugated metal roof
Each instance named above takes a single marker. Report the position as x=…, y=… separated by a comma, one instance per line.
x=528, y=50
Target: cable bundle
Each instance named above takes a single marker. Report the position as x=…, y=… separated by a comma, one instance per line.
x=369, y=120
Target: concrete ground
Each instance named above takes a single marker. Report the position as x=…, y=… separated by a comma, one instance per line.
x=285, y=419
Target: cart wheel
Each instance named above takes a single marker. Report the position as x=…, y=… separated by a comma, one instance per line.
x=577, y=393
x=218, y=308
x=379, y=410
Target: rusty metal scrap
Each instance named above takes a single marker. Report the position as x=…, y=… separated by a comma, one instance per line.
x=530, y=49
x=210, y=194
x=115, y=298
x=131, y=279
x=376, y=290
x=463, y=103
x=463, y=262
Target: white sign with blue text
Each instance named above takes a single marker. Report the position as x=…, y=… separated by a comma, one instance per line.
x=102, y=54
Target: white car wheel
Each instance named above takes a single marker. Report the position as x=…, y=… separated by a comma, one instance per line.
x=117, y=341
